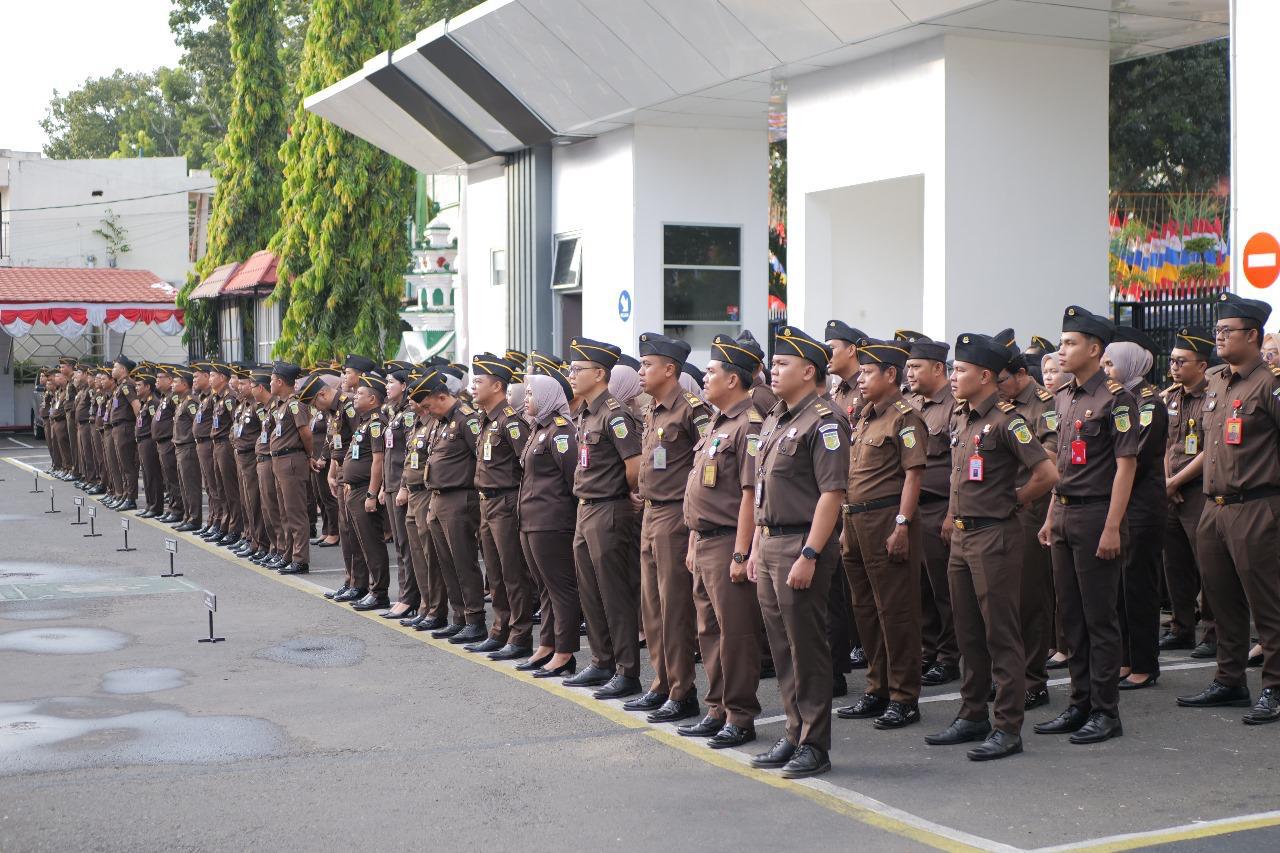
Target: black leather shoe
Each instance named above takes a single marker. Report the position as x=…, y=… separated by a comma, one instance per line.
x=146, y=513
x=960, y=731
x=1126, y=684
x=446, y=632
x=334, y=593
x=231, y=540
x=865, y=708
x=302, y=569
x=186, y=527
x=1100, y=727
x=244, y=550
x=618, y=686
x=431, y=623
x=858, y=658
x=316, y=540
x=776, y=757
x=1035, y=698
x=564, y=670
x=592, y=676
x=212, y=534
x=677, y=709
x=127, y=506
x=940, y=673
x=413, y=619
x=1255, y=661
x=1050, y=663
x=469, y=634
x=1217, y=696
x=1067, y=722
x=1266, y=711
x=324, y=544
x=651, y=700
x=279, y=561
x=259, y=557
x=1206, y=649
x=488, y=644
x=767, y=670
x=898, y=715
x=706, y=727
x=730, y=736
x=534, y=663
x=808, y=761
x=372, y=601
x=407, y=614
x=351, y=595
x=999, y=745
x=1170, y=640
x=510, y=652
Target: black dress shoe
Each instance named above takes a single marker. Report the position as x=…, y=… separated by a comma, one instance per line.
x=303, y=568
x=839, y=687
x=776, y=757
x=405, y=614
x=351, y=594
x=334, y=593
x=567, y=668
x=510, y=652
x=592, y=676
x=413, y=619
x=259, y=556
x=1035, y=698
x=372, y=601
x=1068, y=721
x=469, y=634
x=652, y=700
x=960, y=731
x=1170, y=640
x=898, y=715
x=146, y=513
x=858, y=658
x=1206, y=649
x=1100, y=727
x=677, y=709
x=808, y=761
x=865, y=708
x=244, y=550
x=731, y=736
x=316, y=540
x=1050, y=663
x=278, y=561
x=620, y=685
x=1255, y=661
x=228, y=541
x=534, y=663
x=537, y=617
x=999, y=745
x=940, y=673
x=1217, y=696
x=432, y=623
x=446, y=632
x=767, y=670
x=488, y=644
x=324, y=544
x=211, y=534
x=706, y=727
x=186, y=527
x=1126, y=684
x=127, y=506
x=1266, y=711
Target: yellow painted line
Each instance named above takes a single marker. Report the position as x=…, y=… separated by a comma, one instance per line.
x=1190, y=832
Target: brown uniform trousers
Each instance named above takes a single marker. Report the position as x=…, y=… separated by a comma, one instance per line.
x=884, y=588
x=269, y=496
x=291, y=472
x=406, y=578
x=1037, y=597
x=224, y=457
x=985, y=578
x=348, y=538
x=169, y=474
x=111, y=475
x=1182, y=568
x=455, y=521
x=798, y=643
x=549, y=555
x=729, y=628
x=376, y=574
x=60, y=447
x=190, y=481
x=327, y=502
x=666, y=598
x=255, y=522
x=126, y=451
x=429, y=581
x=152, y=476
x=89, y=469
x=608, y=567
x=212, y=485
x=510, y=586
x=937, y=624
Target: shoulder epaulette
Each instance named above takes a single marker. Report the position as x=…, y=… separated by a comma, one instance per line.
x=1175, y=386
x=903, y=406
x=959, y=408
x=1218, y=370
x=821, y=408
x=754, y=417
x=508, y=411
x=1148, y=391
x=1005, y=407
x=560, y=421
x=1274, y=369
x=1044, y=394
x=613, y=404
x=692, y=400
x=1114, y=387
x=466, y=410
x=343, y=398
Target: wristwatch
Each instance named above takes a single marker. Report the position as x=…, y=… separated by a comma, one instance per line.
x=739, y=557
x=370, y=496
x=808, y=553
x=901, y=519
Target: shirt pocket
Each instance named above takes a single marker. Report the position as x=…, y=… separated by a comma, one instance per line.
x=939, y=442
x=592, y=438
x=788, y=445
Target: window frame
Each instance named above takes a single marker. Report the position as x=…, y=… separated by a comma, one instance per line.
x=662, y=242
x=575, y=262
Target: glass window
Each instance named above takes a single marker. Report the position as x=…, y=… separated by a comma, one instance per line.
x=701, y=283
x=700, y=295
x=701, y=245
x=567, y=265
x=498, y=267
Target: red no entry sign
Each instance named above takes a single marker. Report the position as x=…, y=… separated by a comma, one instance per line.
x=1262, y=260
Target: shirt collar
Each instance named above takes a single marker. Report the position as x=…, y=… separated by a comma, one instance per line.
x=791, y=411
x=669, y=399
x=983, y=406
x=1088, y=387
x=1249, y=368
x=875, y=410
x=736, y=409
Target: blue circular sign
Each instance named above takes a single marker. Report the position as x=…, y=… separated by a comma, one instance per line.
x=624, y=306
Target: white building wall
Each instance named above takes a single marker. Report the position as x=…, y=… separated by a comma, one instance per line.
x=1255, y=180
x=481, y=308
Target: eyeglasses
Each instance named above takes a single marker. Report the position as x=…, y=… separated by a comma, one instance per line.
x=1178, y=362
x=1225, y=331
x=574, y=370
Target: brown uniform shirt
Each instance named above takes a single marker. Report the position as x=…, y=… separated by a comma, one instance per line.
x=1149, y=502
x=146, y=414
x=502, y=439
x=399, y=420
x=1004, y=445
x=83, y=402
x=204, y=416
x=1107, y=418
x=184, y=418
x=162, y=424
x=122, y=404
x=367, y=440
x=1036, y=405
x=1185, y=439
x=936, y=410
x=847, y=401
x=247, y=426
x=607, y=437
x=674, y=425
x=340, y=426
x=223, y=414
x=290, y=417
x=548, y=463
x=724, y=464
x=416, y=442
x=318, y=426
x=804, y=453
x=453, y=450
x=1254, y=463
x=888, y=441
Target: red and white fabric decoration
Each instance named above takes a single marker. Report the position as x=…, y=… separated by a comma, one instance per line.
x=70, y=320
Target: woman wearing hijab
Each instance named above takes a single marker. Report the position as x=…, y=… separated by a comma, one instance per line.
x=547, y=511
x=400, y=417
x=1127, y=361
x=1054, y=378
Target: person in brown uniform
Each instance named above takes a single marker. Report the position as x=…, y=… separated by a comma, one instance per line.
x=931, y=394
x=991, y=446
x=340, y=403
x=89, y=462
x=433, y=607
x=320, y=494
x=222, y=412
x=1097, y=449
x=883, y=540
x=59, y=442
x=245, y=432
x=1238, y=539
x=1036, y=406
x=361, y=480
x=162, y=431
x=259, y=390
x=290, y=448
x=1184, y=465
x=803, y=463
x=124, y=411
x=111, y=480
x=547, y=508
x=148, y=454
x=399, y=417
x=719, y=510
x=203, y=432
x=185, y=410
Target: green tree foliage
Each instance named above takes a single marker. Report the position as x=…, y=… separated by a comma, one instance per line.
x=342, y=241
x=246, y=207
x=1171, y=121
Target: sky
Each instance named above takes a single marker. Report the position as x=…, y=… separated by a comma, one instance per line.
x=56, y=44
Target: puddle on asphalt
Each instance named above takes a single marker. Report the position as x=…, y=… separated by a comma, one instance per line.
x=27, y=614
x=316, y=652
x=33, y=740
x=142, y=680
x=63, y=641
x=26, y=571
x=8, y=516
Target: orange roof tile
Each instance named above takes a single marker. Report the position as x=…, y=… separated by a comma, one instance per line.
x=46, y=284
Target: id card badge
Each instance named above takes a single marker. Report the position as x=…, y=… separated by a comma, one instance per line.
x=759, y=492
x=239, y=430
x=355, y=452
x=1191, y=445
x=975, y=467
x=139, y=421
x=215, y=421
x=1234, y=431
x=337, y=441
x=413, y=460
x=584, y=456
x=262, y=439
x=709, y=475
x=1078, y=455
x=279, y=430
x=391, y=439
x=487, y=454
x=660, y=459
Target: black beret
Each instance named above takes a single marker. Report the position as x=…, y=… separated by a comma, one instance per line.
x=694, y=373
x=289, y=373
x=359, y=363
x=1196, y=340
x=725, y=349
x=585, y=349
x=68, y=360
x=437, y=361
x=926, y=347
x=1077, y=319
x=183, y=373
x=872, y=351
x=452, y=370
x=143, y=376
x=488, y=364
x=1230, y=305
x=838, y=331
x=793, y=341
x=651, y=343
x=404, y=377
x=424, y=386
x=126, y=362
x=516, y=357
x=748, y=342
x=1017, y=359
x=310, y=387
x=908, y=336
x=218, y=367
x=545, y=363
x=1040, y=345
x=1128, y=334
x=458, y=368
x=389, y=366
x=983, y=351
x=374, y=383
x=261, y=377
x=629, y=361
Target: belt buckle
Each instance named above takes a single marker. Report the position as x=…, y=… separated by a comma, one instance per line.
x=1220, y=500
x=582, y=501
x=1062, y=499
x=959, y=524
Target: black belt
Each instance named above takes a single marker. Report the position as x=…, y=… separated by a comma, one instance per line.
x=867, y=506
x=414, y=488
x=82, y=423
x=245, y=451
x=1246, y=495
x=450, y=490
x=976, y=522
x=784, y=529
x=715, y=532
x=1069, y=500
x=930, y=498
x=219, y=439
x=203, y=440
x=276, y=454
x=183, y=443
x=163, y=440
x=648, y=502
x=593, y=501
x=490, y=494
x=262, y=458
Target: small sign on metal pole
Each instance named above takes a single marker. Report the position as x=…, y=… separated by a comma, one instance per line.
x=124, y=525
x=78, y=500
x=171, y=545
x=211, y=604
x=52, y=510
x=37, y=489
x=93, y=513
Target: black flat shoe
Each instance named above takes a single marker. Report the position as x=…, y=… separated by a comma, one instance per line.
x=1266, y=711
x=1217, y=696
x=351, y=595
x=186, y=527
x=898, y=715
x=534, y=663
x=316, y=540
x=960, y=731
x=940, y=673
x=1050, y=663
x=776, y=757
x=372, y=601
x=432, y=623
x=324, y=544
x=808, y=761
x=334, y=593
x=510, y=652
x=404, y=614
x=1205, y=650
x=1070, y=720
x=1035, y=698
x=302, y=569
x=708, y=726
x=1100, y=727
x=1126, y=684
x=414, y=621
x=592, y=676
x=569, y=667
x=1255, y=661
x=730, y=736
x=651, y=700
x=488, y=644
x=620, y=685
x=446, y=632
x=469, y=634
x=1170, y=640
x=999, y=745
x=677, y=709
x=865, y=708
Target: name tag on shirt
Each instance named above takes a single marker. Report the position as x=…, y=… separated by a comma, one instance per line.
x=659, y=458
